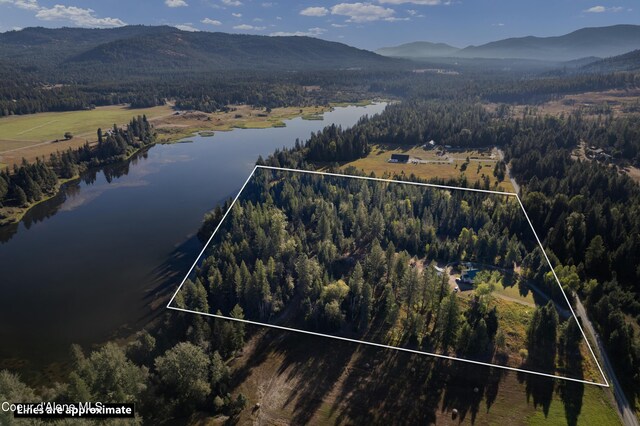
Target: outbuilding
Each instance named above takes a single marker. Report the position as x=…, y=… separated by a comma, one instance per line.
x=399, y=158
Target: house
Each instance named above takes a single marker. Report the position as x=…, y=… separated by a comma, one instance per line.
x=468, y=276
x=399, y=158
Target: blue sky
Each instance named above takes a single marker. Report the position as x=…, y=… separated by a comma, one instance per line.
x=366, y=24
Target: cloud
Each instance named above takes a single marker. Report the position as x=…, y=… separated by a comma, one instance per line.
x=210, y=21
x=415, y=13
x=175, y=3
x=314, y=11
x=602, y=9
x=187, y=27
x=78, y=16
x=420, y=2
x=268, y=4
x=235, y=3
x=237, y=15
x=312, y=32
x=247, y=27
x=23, y=4
x=362, y=12
x=339, y=25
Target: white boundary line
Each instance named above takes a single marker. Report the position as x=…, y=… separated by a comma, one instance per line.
x=346, y=339
x=564, y=294
x=211, y=238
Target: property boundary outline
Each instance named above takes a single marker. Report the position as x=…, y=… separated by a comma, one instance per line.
x=380, y=345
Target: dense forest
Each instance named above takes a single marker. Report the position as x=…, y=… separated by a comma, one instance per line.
x=355, y=256
x=587, y=213
x=30, y=182
x=207, y=91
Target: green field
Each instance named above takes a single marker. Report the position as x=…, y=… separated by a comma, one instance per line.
x=25, y=130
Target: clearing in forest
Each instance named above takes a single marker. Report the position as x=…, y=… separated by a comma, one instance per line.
x=429, y=162
x=455, y=273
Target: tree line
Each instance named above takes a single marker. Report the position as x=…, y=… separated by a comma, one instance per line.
x=31, y=182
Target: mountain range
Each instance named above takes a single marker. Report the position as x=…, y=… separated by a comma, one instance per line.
x=165, y=47
x=599, y=42
x=72, y=54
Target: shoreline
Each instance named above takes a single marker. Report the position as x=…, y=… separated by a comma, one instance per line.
x=16, y=217
x=170, y=138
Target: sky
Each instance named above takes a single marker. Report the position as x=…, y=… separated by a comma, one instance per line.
x=366, y=24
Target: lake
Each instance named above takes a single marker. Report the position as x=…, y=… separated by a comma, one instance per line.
x=91, y=263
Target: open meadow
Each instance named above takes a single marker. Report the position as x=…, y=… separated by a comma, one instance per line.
x=365, y=385
x=475, y=165
x=39, y=135
x=183, y=124
x=21, y=131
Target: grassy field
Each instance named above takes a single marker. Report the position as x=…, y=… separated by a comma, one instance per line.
x=32, y=136
x=279, y=374
x=448, y=166
x=24, y=130
x=185, y=124
x=514, y=293
x=343, y=104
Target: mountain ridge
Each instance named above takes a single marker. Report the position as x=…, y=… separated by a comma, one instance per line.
x=427, y=48
x=598, y=42
x=172, y=48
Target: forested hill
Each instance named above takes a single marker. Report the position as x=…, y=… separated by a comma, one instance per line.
x=627, y=62
x=600, y=42
x=138, y=48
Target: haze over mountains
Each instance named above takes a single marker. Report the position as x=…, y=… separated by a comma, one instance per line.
x=65, y=54
x=419, y=50
x=600, y=42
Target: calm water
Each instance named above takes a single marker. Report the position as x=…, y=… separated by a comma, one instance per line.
x=90, y=264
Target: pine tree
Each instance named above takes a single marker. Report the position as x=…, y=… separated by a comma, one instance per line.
x=238, y=327
x=21, y=197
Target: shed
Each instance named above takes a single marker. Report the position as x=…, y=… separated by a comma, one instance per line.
x=399, y=158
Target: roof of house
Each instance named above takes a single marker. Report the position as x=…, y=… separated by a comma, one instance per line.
x=404, y=157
